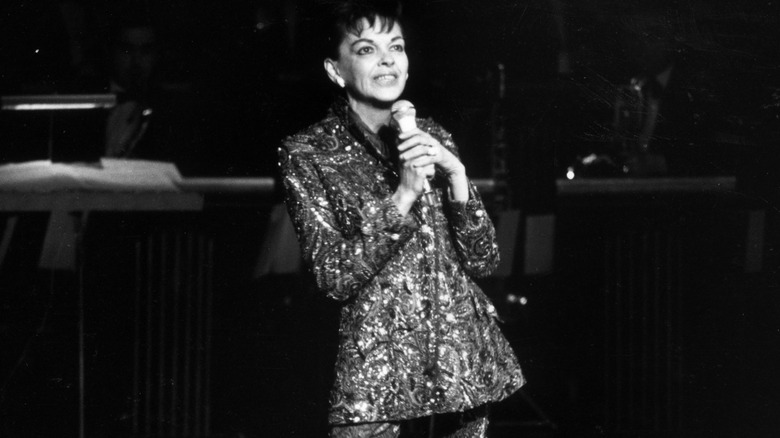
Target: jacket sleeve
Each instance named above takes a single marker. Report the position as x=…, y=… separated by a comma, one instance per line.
x=473, y=233
x=341, y=261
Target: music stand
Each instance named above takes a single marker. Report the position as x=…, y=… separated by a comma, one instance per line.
x=74, y=129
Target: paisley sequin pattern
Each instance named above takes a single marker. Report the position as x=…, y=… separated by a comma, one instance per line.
x=417, y=336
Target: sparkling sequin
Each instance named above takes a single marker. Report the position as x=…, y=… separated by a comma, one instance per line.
x=417, y=335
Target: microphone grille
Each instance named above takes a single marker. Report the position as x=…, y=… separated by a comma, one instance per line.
x=401, y=106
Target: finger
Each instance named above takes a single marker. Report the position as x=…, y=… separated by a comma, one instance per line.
x=427, y=171
x=409, y=144
x=410, y=133
x=424, y=166
x=424, y=161
x=432, y=153
x=420, y=139
x=416, y=152
x=430, y=171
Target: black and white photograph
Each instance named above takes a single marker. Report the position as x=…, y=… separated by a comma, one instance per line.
x=389, y=219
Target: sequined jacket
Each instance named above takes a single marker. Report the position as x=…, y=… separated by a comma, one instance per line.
x=417, y=335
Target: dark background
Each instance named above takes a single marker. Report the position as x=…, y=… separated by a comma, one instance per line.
x=248, y=87
x=567, y=63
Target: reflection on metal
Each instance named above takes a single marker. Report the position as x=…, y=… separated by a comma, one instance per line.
x=267, y=185
x=593, y=186
x=643, y=362
x=172, y=348
x=56, y=102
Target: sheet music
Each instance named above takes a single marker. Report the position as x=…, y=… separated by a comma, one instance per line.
x=108, y=175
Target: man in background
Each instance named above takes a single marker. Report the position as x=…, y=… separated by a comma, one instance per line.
x=153, y=119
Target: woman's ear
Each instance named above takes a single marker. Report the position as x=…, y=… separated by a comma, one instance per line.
x=333, y=72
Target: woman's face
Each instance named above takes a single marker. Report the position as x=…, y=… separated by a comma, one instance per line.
x=371, y=66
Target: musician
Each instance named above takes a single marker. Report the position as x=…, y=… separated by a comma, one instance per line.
x=155, y=118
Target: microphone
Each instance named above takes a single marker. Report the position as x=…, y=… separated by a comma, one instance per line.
x=404, y=116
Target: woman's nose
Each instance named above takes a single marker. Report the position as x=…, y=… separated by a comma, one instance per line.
x=387, y=58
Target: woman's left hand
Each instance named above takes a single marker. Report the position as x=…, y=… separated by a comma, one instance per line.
x=438, y=156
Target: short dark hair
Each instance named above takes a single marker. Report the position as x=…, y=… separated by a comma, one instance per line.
x=343, y=17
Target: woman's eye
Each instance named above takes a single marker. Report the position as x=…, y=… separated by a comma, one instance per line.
x=364, y=50
x=398, y=48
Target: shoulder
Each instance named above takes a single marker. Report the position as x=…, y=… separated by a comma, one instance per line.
x=436, y=130
x=314, y=138
x=312, y=144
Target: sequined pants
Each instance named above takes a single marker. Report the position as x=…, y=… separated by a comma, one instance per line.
x=470, y=424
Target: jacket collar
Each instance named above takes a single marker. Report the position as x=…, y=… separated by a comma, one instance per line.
x=372, y=143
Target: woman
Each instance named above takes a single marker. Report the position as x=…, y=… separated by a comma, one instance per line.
x=418, y=338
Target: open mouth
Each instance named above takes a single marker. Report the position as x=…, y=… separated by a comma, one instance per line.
x=385, y=78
